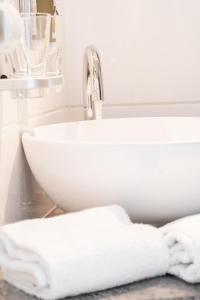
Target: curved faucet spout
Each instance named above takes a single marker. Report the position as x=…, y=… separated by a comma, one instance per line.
x=92, y=84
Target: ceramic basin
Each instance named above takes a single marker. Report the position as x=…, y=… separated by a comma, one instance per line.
x=150, y=166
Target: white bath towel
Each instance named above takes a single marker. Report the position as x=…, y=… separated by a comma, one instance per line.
x=80, y=252
x=183, y=240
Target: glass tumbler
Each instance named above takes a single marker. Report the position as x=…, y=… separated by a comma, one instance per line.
x=54, y=58
x=30, y=57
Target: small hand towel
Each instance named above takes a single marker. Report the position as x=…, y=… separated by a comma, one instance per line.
x=80, y=253
x=182, y=238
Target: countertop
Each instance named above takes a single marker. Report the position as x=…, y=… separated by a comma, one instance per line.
x=162, y=288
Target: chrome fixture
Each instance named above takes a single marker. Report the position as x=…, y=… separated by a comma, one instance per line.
x=92, y=84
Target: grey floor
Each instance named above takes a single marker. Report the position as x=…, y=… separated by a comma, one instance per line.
x=163, y=288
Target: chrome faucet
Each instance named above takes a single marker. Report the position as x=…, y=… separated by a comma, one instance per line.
x=92, y=84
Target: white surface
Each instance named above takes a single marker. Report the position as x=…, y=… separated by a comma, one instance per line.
x=80, y=253
x=183, y=240
x=150, y=166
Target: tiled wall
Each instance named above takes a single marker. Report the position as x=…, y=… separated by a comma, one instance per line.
x=149, y=52
x=16, y=184
x=151, y=67
x=149, y=49
x=18, y=189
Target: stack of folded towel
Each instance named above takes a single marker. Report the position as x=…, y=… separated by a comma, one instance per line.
x=95, y=249
x=182, y=238
x=80, y=252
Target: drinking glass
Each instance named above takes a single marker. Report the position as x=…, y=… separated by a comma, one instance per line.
x=30, y=57
x=54, y=58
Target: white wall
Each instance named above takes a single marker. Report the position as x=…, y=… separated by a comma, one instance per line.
x=17, y=186
x=16, y=183
x=150, y=52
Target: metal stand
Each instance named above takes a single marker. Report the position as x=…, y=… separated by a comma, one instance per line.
x=19, y=84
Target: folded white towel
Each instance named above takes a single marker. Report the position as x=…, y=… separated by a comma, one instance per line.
x=80, y=252
x=183, y=240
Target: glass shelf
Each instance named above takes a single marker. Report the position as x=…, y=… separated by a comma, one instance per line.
x=21, y=84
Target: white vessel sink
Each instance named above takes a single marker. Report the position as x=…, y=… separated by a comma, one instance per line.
x=150, y=166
